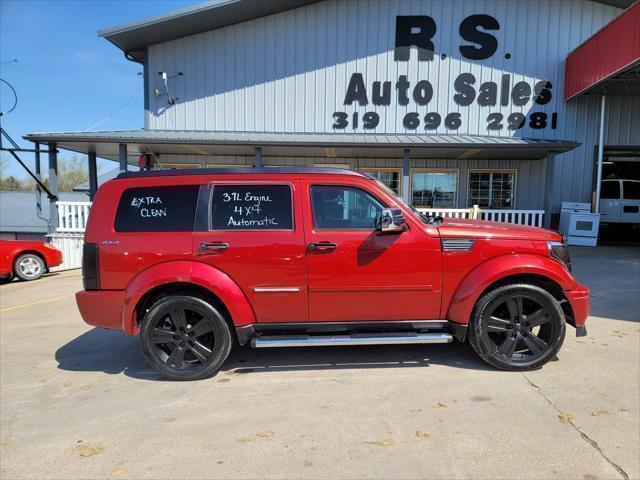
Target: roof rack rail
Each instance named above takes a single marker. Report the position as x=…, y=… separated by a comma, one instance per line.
x=241, y=171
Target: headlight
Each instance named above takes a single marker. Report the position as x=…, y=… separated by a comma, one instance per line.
x=48, y=245
x=560, y=252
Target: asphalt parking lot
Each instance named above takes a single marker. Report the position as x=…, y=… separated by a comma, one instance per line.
x=80, y=402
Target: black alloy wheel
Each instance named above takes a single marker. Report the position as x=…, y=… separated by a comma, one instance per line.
x=185, y=338
x=517, y=327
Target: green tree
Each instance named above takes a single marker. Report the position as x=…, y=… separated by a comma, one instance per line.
x=71, y=173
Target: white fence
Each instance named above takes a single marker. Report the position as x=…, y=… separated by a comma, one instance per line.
x=70, y=244
x=69, y=238
x=521, y=217
x=73, y=216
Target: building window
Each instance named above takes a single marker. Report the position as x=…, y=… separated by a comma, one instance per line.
x=492, y=189
x=391, y=177
x=333, y=165
x=179, y=166
x=434, y=188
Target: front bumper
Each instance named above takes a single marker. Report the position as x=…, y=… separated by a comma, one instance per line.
x=53, y=258
x=102, y=308
x=579, y=301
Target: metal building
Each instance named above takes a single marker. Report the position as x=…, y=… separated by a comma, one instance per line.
x=451, y=103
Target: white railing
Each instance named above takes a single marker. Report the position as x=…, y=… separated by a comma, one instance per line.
x=533, y=218
x=521, y=217
x=73, y=216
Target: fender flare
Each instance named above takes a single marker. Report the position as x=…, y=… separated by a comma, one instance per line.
x=184, y=271
x=496, y=268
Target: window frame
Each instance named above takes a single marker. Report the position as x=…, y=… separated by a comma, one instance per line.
x=212, y=186
x=385, y=169
x=345, y=186
x=415, y=170
x=514, y=171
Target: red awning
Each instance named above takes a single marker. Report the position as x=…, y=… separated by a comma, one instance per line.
x=611, y=51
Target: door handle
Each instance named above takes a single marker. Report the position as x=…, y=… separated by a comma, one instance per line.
x=213, y=246
x=322, y=246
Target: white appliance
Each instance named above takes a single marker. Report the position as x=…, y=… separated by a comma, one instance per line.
x=578, y=224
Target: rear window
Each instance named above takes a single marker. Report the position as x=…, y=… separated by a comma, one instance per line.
x=157, y=209
x=251, y=207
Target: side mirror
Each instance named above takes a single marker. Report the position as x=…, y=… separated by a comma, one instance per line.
x=391, y=220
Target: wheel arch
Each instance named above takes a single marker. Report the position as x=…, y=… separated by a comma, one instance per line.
x=181, y=288
x=200, y=279
x=27, y=252
x=533, y=269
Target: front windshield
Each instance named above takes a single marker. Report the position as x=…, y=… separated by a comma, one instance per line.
x=424, y=218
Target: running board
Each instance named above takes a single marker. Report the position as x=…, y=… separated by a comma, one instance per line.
x=272, y=341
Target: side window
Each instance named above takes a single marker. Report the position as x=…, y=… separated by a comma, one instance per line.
x=631, y=190
x=157, y=209
x=251, y=207
x=610, y=190
x=343, y=208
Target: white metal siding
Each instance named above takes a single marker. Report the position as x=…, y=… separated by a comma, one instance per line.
x=289, y=72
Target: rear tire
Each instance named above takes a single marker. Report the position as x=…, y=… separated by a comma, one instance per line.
x=29, y=267
x=517, y=327
x=185, y=338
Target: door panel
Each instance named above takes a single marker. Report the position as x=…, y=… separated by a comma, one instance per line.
x=367, y=275
x=244, y=241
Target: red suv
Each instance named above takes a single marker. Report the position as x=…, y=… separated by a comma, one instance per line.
x=195, y=261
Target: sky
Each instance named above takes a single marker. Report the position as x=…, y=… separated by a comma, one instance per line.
x=66, y=77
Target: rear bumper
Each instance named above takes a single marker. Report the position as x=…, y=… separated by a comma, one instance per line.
x=102, y=308
x=579, y=301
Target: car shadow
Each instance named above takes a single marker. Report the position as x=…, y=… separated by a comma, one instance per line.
x=114, y=353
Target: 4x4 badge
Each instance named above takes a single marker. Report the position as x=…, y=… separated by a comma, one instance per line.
x=110, y=242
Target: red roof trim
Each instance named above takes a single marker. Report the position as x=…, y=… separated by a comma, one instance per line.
x=613, y=49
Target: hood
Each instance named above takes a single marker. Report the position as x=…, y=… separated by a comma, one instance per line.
x=454, y=227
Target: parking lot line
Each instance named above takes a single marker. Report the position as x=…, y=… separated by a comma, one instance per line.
x=46, y=300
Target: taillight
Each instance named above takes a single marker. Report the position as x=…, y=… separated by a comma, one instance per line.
x=90, y=267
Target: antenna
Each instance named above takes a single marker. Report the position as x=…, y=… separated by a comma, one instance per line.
x=165, y=79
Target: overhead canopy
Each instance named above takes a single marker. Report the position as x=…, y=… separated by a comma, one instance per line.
x=133, y=37
x=608, y=63
x=166, y=142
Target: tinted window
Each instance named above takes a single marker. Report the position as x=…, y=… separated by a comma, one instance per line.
x=346, y=208
x=157, y=209
x=631, y=190
x=610, y=190
x=251, y=207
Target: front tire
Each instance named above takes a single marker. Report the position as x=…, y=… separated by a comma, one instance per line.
x=185, y=338
x=517, y=327
x=29, y=267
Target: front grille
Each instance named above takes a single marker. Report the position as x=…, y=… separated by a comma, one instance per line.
x=457, y=244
